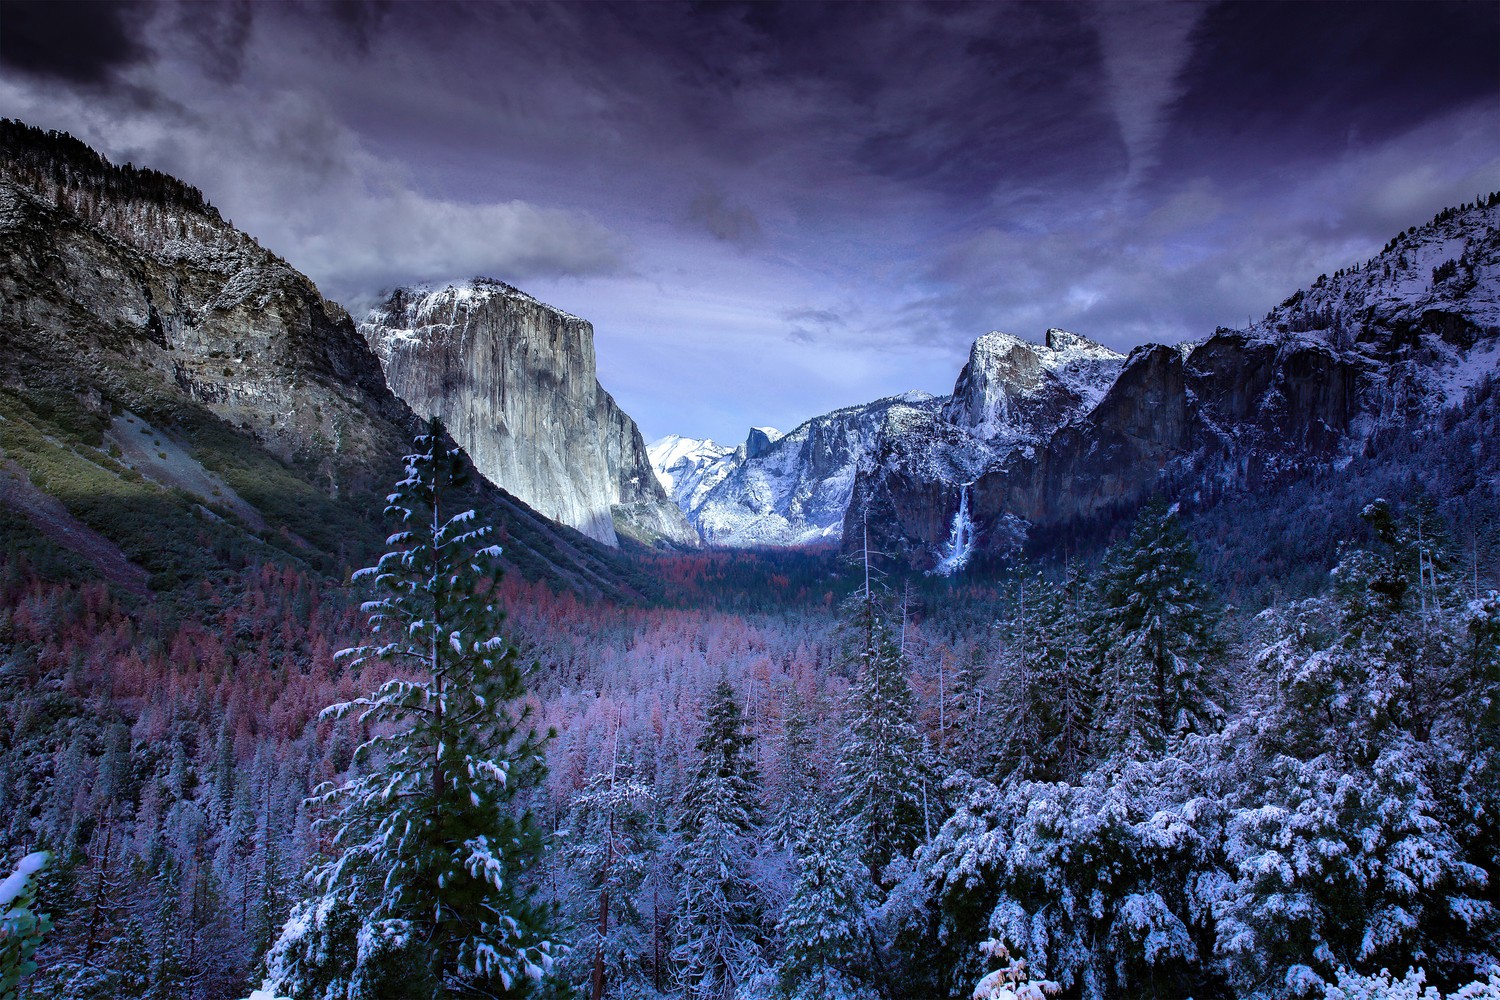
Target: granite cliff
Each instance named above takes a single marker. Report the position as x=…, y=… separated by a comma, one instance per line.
x=514, y=380
x=1392, y=342
x=1048, y=439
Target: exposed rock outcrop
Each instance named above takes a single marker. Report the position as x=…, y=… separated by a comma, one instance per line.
x=1068, y=434
x=514, y=380
x=153, y=274
x=777, y=489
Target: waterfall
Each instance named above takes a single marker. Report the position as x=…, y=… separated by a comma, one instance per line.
x=954, y=555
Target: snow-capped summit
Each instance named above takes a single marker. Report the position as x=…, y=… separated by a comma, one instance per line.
x=759, y=439
x=1010, y=391
x=1402, y=339
x=1037, y=434
x=780, y=489
x=683, y=465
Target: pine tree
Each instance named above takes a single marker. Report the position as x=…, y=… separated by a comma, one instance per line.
x=609, y=844
x=169, y=971
x=823, y=929
x=426, y=892
x=1157, y=640
x=887, y=795
x=720, y=908
x=1048, y=704
x=967, y=716
x=1366, y=744
x=22, y=927
x=798, y=782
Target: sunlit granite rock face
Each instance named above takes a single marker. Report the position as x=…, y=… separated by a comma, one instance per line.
x=514, y=380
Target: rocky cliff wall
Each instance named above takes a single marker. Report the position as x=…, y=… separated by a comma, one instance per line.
x=515, y=382
x=182, y=294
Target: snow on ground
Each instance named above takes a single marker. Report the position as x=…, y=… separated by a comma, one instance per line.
x=1465, y=373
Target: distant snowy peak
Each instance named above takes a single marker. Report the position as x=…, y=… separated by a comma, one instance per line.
x=681, y=462
x=782, y=489
x=1086, y=368
x=1011, y=390
x=759, y=439
x=674, y=448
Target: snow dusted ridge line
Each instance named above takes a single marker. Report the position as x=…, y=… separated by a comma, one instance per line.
x=1068, y=429
x=431, y=294
x=675, y=458
x=782, y=490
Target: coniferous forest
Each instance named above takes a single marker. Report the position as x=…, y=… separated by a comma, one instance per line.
x=439, y=779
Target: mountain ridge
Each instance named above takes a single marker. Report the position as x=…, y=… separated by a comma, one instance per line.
x=1038, y=436
x=130, y=310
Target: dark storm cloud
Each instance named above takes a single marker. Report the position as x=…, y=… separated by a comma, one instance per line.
x=1276, y=82
x=83, y=42
x=803, y=204
x=361, y=19
x=217, y=33
x=953, y=100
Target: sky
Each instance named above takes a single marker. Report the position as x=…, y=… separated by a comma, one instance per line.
x=768, y=211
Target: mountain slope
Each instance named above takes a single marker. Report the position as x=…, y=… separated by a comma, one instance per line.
x=687, y=467
x=131, y=312
x=791, y=489
x=514, y=381
x=1047, y=440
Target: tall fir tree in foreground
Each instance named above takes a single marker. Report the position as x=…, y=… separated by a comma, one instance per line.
x=887, y=792
x=424, y=893
x=824, y=928
x=1156, y=634
x=720, y=906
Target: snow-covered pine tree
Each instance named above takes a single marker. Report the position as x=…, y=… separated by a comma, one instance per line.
x=886, y=787
x=719, y=911
x=608, y=853
x=1156, y=635
x=823, y=929
x=968, y=715
x=1362, y=841
x=798, y=780
x=425, y=893
x=22, y=928
x=1047, y=706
